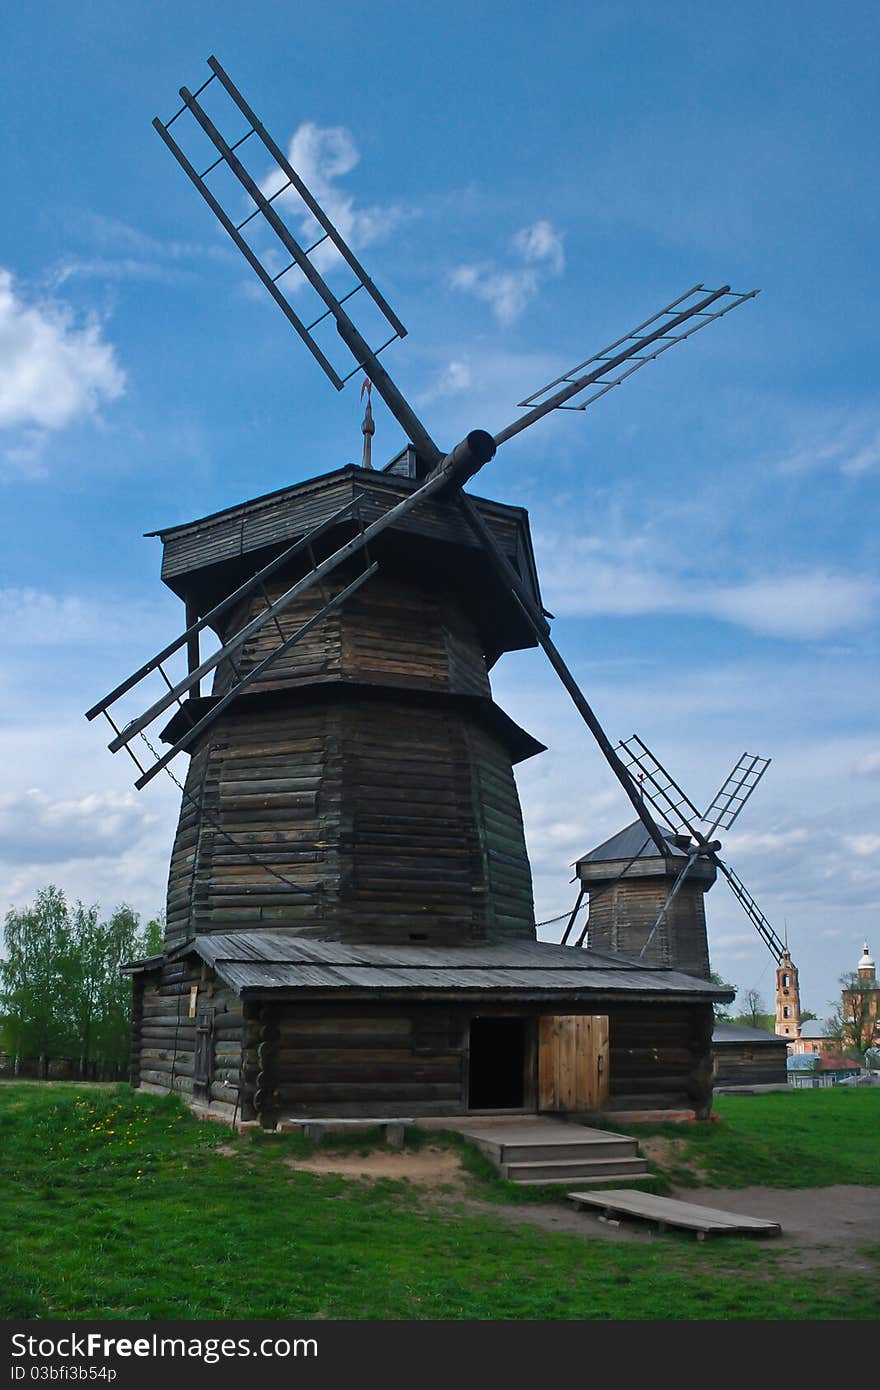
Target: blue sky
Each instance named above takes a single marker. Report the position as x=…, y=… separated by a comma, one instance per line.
x=524, y=186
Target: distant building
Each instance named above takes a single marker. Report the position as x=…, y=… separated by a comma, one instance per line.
x=812, y=1039
x=823, y=1070
x=788, y=999
x=746, y=1056
x=861, y=1004
x=815, y=1039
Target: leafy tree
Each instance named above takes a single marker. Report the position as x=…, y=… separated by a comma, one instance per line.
x=62, y=993
x=36, y=986
x=118, y=940
x=855, y=1020
x=756, y=1009
x=87, y=981
x=721, y=1010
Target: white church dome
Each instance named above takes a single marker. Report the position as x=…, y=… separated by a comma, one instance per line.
x=867, y=961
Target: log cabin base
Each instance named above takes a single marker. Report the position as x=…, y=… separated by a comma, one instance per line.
x=264, y=1028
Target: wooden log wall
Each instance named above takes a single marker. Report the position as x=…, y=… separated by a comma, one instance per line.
x=661, y=1056
x=401, y=1059
x=739, y=1064
x=426, y=838
x=510, y=908
x=349, y=1060
x=623, y=914
x=167, y=1034
x=390, y=633
x=407, y=822
x=137, y=1014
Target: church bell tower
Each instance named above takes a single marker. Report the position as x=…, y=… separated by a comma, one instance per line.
x=788, y=1000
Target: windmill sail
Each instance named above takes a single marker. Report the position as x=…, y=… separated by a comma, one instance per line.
x=298, y=256
x=641, y=345
x=673, y=806
x=727, y=803
x=752, y=911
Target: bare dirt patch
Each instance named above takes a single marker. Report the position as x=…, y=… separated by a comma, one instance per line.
x=427, y=1168
x=820, y=1225
x=670, y=1153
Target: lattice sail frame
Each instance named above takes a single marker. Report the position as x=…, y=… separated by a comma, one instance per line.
x=139, y=725
x=290, y=179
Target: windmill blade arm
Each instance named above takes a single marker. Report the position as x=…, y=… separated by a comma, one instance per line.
x=773, y=942
x=660, y=790
x=638, y=347
x=313, y=206
x=253, y=260
x=194, y=629
x=253, y=675
x=727, y=803
x=664, y=911
x=365, y=357
x=506, y=573
x=539, y=627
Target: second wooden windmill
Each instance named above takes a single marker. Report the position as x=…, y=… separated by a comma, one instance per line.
x=350, y=918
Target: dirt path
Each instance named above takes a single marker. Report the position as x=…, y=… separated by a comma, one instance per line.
x=825, y=1226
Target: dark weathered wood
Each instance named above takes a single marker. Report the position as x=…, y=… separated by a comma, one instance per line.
x=623, y=912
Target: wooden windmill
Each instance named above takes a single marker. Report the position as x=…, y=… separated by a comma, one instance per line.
x=350, y=802
x=651, y=906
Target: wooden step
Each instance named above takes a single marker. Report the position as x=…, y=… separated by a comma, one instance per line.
x=589, y=1182
x=588, y=1149
x=566, y=1169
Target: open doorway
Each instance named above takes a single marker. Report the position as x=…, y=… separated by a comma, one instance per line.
x=497, y=1064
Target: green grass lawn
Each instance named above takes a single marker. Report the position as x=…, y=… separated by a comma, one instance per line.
x=119, y=1205
x=803, y=1138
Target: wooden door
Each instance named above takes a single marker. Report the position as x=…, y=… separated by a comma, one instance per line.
x=573, y=1055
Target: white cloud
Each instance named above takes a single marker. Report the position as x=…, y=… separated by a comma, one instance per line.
x=54, y=371
x=119, y=252
x=322, y=155
x=507, y=292
x=42, y=829
x=814, y=604
x=541, y=243
x=509, y=289
x=847, y=443
x=766, y=841
x=868, y=765
x=606, y=576
x=452, y=380
x=865, y=846
x=35, y=618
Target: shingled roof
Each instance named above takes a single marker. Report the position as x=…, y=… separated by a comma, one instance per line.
x=633, y=842
x=259, y=961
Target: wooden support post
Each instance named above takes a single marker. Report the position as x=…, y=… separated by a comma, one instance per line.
x=193, y=659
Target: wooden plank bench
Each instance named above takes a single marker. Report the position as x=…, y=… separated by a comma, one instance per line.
x=392, y=1129
x=665, y=1212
